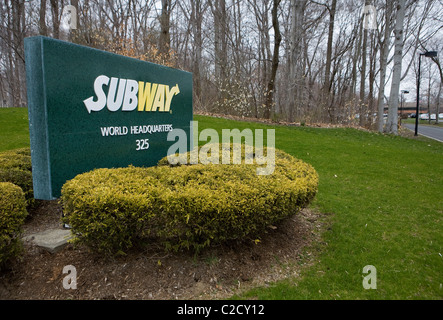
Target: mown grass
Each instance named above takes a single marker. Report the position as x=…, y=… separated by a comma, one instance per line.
x=381, y=197
x=14, y=128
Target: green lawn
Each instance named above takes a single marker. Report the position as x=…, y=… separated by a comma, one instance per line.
x=14, y=128
x=382, y=196
x=382, y=200
x=423, y=122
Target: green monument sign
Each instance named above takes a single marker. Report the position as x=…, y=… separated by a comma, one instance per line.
x=93, y=109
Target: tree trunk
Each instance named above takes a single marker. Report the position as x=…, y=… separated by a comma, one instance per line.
x=197, y=12
x=218, y=8
x=327, y=85
x=165, y=37
x=383, y=65
x=275, y=60
x=74, y=3
x=42, y=22
x=372, y=73
x=55, y=19
x=18, y=7
x=295, y=58
x=363, y=76
x=392, y=123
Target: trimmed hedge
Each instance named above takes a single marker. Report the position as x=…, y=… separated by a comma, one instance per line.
x=12, y=217
x=189, y=206
x=15, y=167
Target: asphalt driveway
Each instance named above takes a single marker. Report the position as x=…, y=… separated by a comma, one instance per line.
x=432, y=132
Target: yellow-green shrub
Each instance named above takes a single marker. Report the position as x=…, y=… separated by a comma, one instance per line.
x=15, y=167
x=110, y=208
x=12, y=216
x=17, y=158
x=184, y=206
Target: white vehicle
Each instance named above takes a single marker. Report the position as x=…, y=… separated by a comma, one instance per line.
x=440, y=115
x=433, y=116
x=424, y=116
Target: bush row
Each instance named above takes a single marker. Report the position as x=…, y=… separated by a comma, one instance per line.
x=16, y=195
x=12, y=216
x=15, y=167
x=190, y=206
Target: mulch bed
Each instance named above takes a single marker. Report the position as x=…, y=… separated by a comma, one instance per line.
x=216, y=273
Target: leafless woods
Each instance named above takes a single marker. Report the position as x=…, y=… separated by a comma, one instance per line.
x=294, y=60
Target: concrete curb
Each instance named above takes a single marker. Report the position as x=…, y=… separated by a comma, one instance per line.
x=52, y=240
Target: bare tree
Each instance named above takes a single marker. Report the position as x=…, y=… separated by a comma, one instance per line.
x=165, y=37
x=296, y=81
x=219, y=11
x=55, y=10
x=42, y=18
x=363, y=71
x=392, y=121
x=302, y=60
x=275, y=59
x=332, y=10
x=198, y=10
x=383, y=64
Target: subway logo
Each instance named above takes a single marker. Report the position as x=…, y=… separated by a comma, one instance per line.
x=129, y=95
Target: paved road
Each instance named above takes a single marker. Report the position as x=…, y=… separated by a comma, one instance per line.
x=433, y=132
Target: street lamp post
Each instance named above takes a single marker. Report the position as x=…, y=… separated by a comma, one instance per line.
x=428, y=54
x=403, y=92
